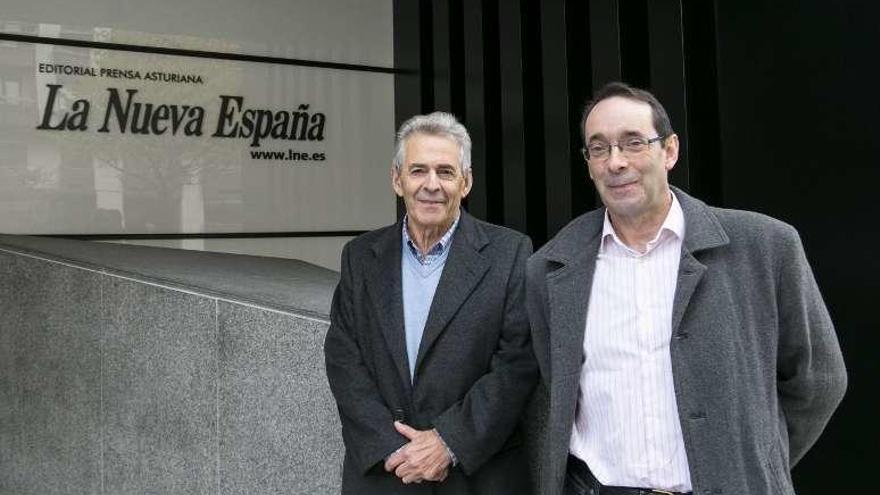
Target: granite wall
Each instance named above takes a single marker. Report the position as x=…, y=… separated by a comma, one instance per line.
x=115, y=384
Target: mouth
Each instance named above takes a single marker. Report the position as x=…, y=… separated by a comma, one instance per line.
x=620, y=184
x=431, y=202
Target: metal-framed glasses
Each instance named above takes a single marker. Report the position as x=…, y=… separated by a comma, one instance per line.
x=599, y=151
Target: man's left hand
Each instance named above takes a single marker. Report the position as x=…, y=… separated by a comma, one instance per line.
x=424, y=458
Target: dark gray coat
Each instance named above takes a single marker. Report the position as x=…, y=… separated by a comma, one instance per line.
x=474, y=372
x=755, y=360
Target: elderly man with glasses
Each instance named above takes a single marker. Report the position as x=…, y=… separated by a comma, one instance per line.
x=682, y=348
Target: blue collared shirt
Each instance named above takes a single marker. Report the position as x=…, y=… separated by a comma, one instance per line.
x=436, y=252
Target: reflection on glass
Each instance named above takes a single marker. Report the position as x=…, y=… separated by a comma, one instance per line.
x=140, y=176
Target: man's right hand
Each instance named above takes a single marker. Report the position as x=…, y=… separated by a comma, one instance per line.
x=425, y=457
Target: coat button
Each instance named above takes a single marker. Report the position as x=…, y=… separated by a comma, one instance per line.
x=399, y=415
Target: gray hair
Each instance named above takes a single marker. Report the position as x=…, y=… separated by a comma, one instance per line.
x=434, y=124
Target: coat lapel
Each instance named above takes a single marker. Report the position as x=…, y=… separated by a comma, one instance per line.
x=568, y=291
x=702, y=231
x=690, y=271
x=465, y=267
x=384, y=286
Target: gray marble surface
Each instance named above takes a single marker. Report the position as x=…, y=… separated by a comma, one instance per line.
x=255, y=279
x=274, y=433
x=9, y=399
x=50, y=433
x=133, y=370
x=159, y=390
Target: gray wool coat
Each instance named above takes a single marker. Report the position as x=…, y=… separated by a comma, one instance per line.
x=756, y=364
x=473, y=375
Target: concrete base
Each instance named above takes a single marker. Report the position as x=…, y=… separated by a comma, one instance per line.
x=127, y=369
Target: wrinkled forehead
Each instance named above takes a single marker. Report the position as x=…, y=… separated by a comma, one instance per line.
x=618, y=116
x=429, y=148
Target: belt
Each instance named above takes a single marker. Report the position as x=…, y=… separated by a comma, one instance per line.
x=580, y=470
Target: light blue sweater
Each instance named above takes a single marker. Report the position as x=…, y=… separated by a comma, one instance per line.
x=419, y=277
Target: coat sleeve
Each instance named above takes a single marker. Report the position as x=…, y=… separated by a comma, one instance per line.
x=367, y=423
x=476, y=427
x=811, y=378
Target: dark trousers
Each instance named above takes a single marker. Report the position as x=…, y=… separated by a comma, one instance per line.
x=575, y=484
x=580, y=481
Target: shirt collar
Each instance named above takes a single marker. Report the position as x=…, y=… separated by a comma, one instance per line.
x=436, y=250
x=673, y=225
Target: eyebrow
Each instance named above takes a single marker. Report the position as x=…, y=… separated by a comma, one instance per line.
x=624, y=134
x=439, y=165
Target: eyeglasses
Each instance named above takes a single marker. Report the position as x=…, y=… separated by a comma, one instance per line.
x=599, y=151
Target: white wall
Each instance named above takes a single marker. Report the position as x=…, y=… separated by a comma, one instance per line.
x=352, y=31
x=116, y=183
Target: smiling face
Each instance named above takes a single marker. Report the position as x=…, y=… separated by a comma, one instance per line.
x=632, y=186
x=430, y=181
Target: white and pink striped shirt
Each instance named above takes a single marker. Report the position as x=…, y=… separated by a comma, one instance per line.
x=626, y=427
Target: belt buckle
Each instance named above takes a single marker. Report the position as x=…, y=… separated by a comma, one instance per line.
x=662, y=492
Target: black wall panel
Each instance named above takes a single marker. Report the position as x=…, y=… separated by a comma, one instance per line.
x=798, y=109
x=774, y=104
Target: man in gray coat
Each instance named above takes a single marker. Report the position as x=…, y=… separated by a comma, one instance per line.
x=428, y=352
x=682, y=348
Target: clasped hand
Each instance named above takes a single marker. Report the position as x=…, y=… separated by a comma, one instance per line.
x=424, y=458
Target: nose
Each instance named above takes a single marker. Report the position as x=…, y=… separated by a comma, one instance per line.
x=616, y=160
x=432, y=182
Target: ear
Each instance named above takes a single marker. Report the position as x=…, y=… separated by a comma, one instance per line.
x=670, y=151
x=468, y=183
x=395, y=181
